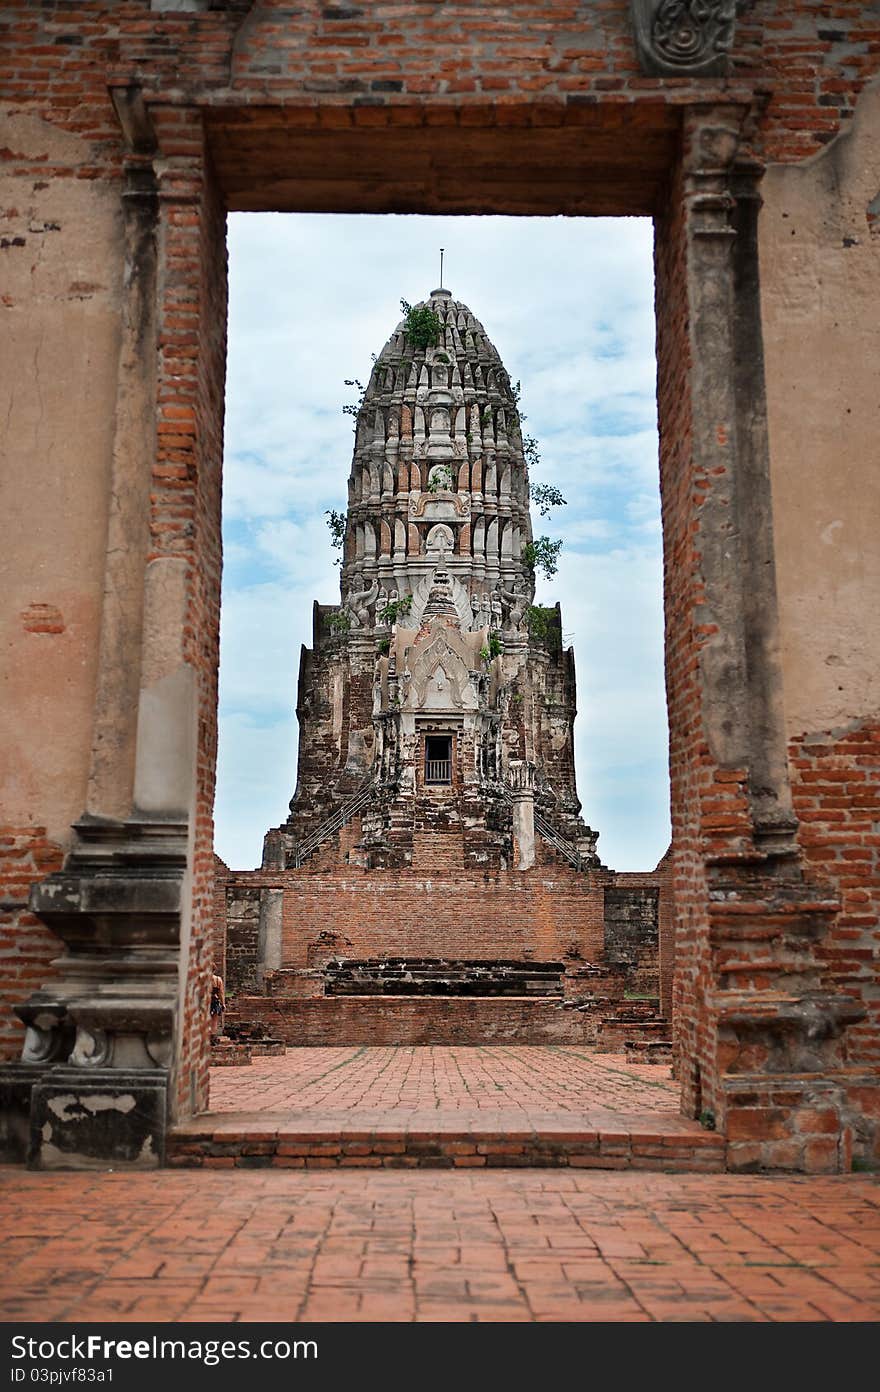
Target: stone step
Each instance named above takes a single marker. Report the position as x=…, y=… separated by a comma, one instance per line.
x=648, y=1050
x=426, y=1141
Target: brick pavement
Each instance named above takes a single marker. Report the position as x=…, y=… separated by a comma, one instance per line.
x=500, y=1246
x=463, y=1079
x=465, y=1107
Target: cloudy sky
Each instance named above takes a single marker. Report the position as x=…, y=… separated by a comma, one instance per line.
x=568, y=303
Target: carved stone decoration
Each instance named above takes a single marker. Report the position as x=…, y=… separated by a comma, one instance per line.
x=460, y=599
x=684, y=38
x=516, y=601
x=359, y=602
x=48, y=1032
x=92, y=1048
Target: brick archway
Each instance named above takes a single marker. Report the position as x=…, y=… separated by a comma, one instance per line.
x=760, y=1036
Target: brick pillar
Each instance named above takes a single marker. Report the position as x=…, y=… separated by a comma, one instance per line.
x=125, y=1018
x=760, y=1044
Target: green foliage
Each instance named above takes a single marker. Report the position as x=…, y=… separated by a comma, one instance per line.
x=543, y=626
x=542, y=554
x=707, y=1120
x=353, y=408
x=339, y=622
x=337, y=524
x=494, y=648
x=422, y=325
x=531, y=453
x=546, y=496
x=442, y=480
x=383, y=646
x=392, y=611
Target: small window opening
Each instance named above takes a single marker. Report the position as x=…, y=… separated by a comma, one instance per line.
x=438, y=759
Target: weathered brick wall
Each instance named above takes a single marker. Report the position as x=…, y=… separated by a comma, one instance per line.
x=836, y=788
x=377, y=1020
x=680, y=586
x=550, y=913
x=666, y=933
x=502, y=914
x=632, y=905
x=812, y=59
x=26, y=945
x=185, y=509
x=218, y=924
x=241, y=906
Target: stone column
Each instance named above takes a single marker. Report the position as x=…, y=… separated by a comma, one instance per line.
x=522, y=787
x=269, y=935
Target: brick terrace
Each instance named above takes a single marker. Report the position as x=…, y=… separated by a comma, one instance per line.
x=464, y=1108
x=526, y=1245
x=544, y=1079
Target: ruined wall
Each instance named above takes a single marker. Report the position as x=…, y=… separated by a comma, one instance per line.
x=378, y=1021
x=458, y=76
x=544, y=914
x=61, y=255
x=820, y=266
x=631, y=939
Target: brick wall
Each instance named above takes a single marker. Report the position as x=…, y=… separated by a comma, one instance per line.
x=550, y=913
x=836, y=791
x=185, y=509
x=631, y=931
x=813, y=59
x=376, y=1020
x=680, y=585
x=26, y=945
x=386, y=912
x=241, y=906
x=218, y=927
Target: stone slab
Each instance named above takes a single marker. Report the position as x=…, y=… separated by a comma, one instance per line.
x=98, y=1119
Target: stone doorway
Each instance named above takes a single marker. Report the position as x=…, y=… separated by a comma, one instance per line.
x=759, y=1033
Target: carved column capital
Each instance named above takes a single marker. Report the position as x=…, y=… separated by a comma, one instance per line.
x=684, y=38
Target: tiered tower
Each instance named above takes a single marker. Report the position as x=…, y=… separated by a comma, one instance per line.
x=437, y=697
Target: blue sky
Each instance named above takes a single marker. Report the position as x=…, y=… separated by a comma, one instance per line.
x=568, y=303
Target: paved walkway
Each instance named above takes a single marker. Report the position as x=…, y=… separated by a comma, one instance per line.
x=505, y=1245
x=454, y=1080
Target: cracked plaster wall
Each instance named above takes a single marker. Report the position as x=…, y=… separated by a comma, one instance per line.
x=60, y=273
x=820, y=269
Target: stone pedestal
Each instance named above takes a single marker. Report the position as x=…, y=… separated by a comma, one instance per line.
x=98, y=1119
x=92, y=1086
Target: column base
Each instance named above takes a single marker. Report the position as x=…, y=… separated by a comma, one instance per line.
x=97, y=1119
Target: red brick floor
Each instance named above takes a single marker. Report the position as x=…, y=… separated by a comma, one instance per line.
x=499, y=1246
x=468, y=1107
x=540, y=1079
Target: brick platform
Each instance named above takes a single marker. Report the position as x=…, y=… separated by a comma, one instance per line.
x=413, y=1020
x=500, y=1246
x=445, y=1108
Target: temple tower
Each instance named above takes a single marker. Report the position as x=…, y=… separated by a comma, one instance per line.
x=437, y=698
